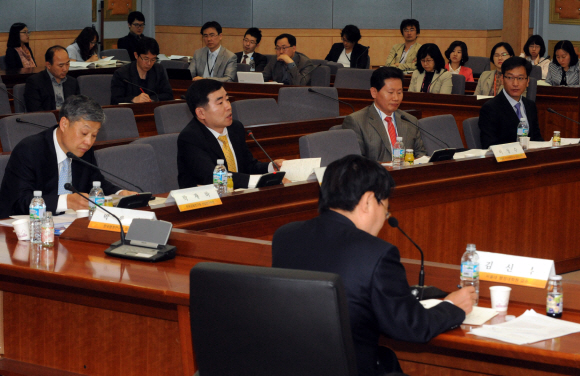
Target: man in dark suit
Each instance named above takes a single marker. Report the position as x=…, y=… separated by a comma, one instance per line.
x=136, y=21
x=47, y=90
x=212, y=135
x=39, y=162
x=500, y=116
x=251, y=42
x=353, y=207
x=289, y=67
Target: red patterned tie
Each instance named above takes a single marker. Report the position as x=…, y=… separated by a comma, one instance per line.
x=244, y=61
x=391, y=129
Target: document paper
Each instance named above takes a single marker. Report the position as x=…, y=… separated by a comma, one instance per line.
x=478, y=316
x=300, y=169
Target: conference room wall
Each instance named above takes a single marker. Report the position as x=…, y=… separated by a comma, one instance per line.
x=42, y=40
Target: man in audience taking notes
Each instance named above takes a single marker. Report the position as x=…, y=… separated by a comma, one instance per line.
x=214, y=60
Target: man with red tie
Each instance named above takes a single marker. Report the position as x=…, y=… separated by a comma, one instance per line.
x=378, y=125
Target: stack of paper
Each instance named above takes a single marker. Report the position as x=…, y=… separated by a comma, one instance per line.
x=300, y=169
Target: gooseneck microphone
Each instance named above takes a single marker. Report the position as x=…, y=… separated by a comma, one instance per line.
x=74, y=157
x=267, y=155
x=142, y=87
x=423, y=130
x=359, y=56
x=19, y=120
x=559, y=114
x=70, y=187
x=13, y=97
x=310, y=90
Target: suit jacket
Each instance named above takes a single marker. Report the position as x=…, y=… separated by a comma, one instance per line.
x=129, y=43
x=485, y=83
x=261, y=60
x=372, y=135
x=358, y=58
x=464, y=71
x=155, y=80
x=395, y=56
x=440, y=84
x=12, y=59
x=39, y=94
x=33, y=166
x=198, y=151
x=225, y=67
x=377, y=291
x=299, y=74
x=498, y=122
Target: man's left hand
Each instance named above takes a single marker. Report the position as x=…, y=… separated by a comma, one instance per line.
x=278, y=163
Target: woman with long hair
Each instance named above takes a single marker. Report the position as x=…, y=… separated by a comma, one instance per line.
x=18, y=53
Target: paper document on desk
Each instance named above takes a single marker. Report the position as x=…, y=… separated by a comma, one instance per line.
x=299, y=169
x=472, y=153
x=478, y=316
x=530, y=327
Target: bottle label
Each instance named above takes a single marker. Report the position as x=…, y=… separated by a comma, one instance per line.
x=400, y=153
x=469, y=270
x=555, y=303
x=37, y=212
x=47, y=235
x=98, y=200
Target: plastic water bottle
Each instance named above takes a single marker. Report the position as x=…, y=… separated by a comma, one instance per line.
x=37, y=210
x=47, y=230
x=252, y=64
x=523, y=129
x=98, y=196
x=470, y=269
x=220, y=177
x=398, y=153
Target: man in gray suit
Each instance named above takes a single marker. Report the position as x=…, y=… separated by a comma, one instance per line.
x=289, y=67
x=377, y=126
x=213, y=61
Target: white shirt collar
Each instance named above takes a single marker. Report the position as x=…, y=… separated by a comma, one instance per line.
x=512, y=101
x=248, y=55
x=216, y=135
x=60, y=154
x=216, y=52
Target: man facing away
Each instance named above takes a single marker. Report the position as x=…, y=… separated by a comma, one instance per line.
x=213, y=61
x=289, y=67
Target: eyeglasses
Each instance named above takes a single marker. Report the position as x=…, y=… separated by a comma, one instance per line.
x=26, y=32
x=512, y=78
x=147, y=60
x=282, y=48
x=252, y=42
x=427, y=61
x=209, y=36
x=139, y=25
x=505, y=54
x=388, y=214
x=408, y=30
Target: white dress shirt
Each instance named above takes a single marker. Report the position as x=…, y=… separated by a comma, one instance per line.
x=344, y=58
x=62, y=204
x=211, y=59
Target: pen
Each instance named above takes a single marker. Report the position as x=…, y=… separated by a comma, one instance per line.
x=144, y=93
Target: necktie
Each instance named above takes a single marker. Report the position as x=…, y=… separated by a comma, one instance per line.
x=518, y=112
x=391, y=129
x=64, y=176
x=244, y=61
x=230, y=161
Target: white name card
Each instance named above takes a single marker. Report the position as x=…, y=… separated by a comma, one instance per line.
x=515, y=270
x=104, y=221
x=194, y=198
x=508, y=152
x=319, y=172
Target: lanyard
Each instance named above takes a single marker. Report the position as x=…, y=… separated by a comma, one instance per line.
x=213, y=66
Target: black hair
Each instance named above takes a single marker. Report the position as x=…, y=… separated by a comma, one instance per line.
x=410, y=22
x=135, y=16
x=84, y=40
x=464, y=54
x=432, y=50
x=514, y=62
x=384, y=73
x=49, y=55
x=351, y=33
x=505, y=45
x=14, y=35
x=346, y=180
x=256, y=33
x=213, y=24
x=291, y=39
x=538, y=40
x=198, y=93
x=78, y=107
x=147, y=45
x=567, y=46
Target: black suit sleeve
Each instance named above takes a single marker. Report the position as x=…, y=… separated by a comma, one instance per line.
x=359, y=57
x=532, y=115
x=195, y=163
x=119, y=92
x=261, y=63
x=488, y=126
x=33, y=95
x=334, y=52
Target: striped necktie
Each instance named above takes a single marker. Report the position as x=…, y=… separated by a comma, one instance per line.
x=391, y=129
x=230, y=160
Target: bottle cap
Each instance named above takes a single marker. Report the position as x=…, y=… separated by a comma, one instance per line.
x=220, y=161
x=471, y=247
x=409, y=150
x=230, y=174
x=555, y=278
x=108, y=197
x=48, y=214
x=558, y=132
x=37, y=193
x=523, y=119
x=399, y=139
x=96, y=184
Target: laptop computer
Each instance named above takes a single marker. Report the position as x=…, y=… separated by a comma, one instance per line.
x=253, y=78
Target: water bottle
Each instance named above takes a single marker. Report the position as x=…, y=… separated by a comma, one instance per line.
x=470, y=269
x=555, y=298
x=220, y=177
x=37, y=210
x=523, y=129
x=47, y=230
x=252, y=64
x=398, y=153
x=98, y=196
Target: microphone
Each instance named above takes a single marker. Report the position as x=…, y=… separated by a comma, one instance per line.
x=359, y=56
x=559, y=114
x=12, y=95
x=141, y=87
x=419, y=290
x=256, y=141
x=74, y=157
x=70, y=187
x=423, y=130
x=19, y=120
x=394, y=57
x=310, y=90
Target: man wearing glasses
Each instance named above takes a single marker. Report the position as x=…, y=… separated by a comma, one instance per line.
x=290, y=67
x=213, y=61
x=136, y=21
x=499, y=117
x=251, y=41
x=142, y=80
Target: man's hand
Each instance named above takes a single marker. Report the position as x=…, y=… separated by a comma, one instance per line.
x=278, y=163
x=75, y=202
x=141, y=98
x=463, y=298
x=125, y=192
x=197, y=78
x=396, y=65
x=285, y=181
x=285, y=58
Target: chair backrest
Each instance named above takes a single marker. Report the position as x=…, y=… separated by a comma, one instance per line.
x=4, y=101
x=352, y=78
x=96, y=86
x=532, y=89
x=134, y=163
x=119, y=123
x=174, y=64
x=165, y=147
x=269, y=321
x=334, y=67
x=3, y=163
x=443, y=127
x=256, y=111
x=3, y=63
x=296, y=103
x=11, y=132
x=471, y=132
x=329, y=146
x=458, y=81
x=478, y=64
x=118, y=54
x=320, y=76
x=536, y=72
x=172, y=118
x=19, y=103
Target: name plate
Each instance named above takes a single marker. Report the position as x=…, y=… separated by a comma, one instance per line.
x=515, y=270
x=104, y=221
x=194, y=198
x=319, y=172
x=508, y=152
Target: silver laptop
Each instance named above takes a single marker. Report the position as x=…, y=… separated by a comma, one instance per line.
x=253, y=78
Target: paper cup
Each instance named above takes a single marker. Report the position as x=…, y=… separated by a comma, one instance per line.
x=500, y=297
x=82, y=213
x=22, y=229
x=525, y=142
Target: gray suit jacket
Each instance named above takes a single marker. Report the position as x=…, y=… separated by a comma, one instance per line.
x=440, y=84
x=225, y=65
x=485, y=83
x=372, y=135
x=299, y=74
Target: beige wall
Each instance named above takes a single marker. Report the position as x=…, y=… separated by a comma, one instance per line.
x=42, y=40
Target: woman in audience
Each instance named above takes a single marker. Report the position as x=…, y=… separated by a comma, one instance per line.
x=85, y=46
x=430, y=76
x=534, y=51
x=349, y=53
x=490, y=82
x=458, y=56
x=18, y=53
x=564, y=70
